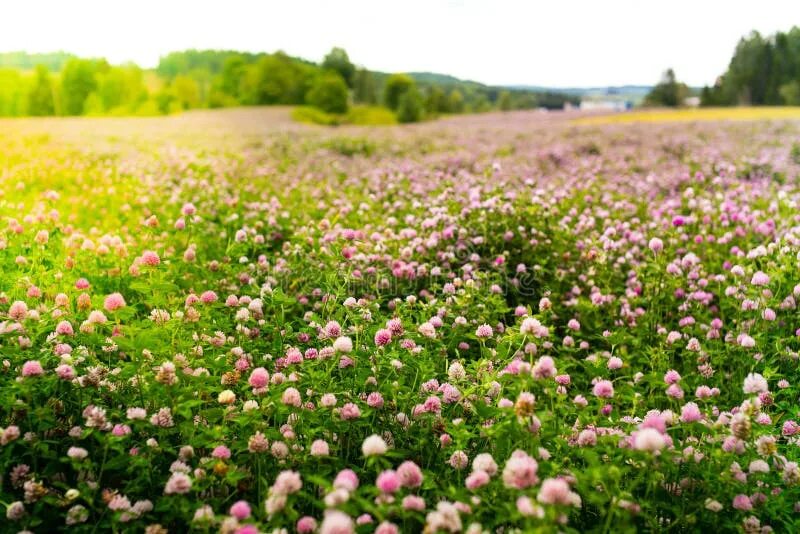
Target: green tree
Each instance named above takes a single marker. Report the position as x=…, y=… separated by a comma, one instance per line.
x=527, y=100
x=186, y=91
x=184, y=62
x=504, y=102
x=790, y=93
x=364, y=89
x=166, y=102
x=13, y=97
x=203, y=77
x=329, y=93
x=77, y=83
x=409, y=109
x=668, y=92
x=338, y=60
x=54, y=61
x=761, y=71
x=233, y=72
x=748, y=72
x=40, y=98
x=435, y=100
x=707, y=96
x=396, y=86
x=480, y=103
x=455, y=101
x=277, y=79
x=122, y=87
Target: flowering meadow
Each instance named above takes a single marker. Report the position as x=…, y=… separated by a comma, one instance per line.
x=226, y=322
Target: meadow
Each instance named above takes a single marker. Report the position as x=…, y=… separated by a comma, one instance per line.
x=510, y=322
x=753, y=113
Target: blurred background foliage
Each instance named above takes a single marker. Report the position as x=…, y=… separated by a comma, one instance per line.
x=63, y=84
x=762, y=71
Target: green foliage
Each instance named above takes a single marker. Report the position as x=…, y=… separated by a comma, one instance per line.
x=396, y=86
x=337, y=60
x=13, y=93
x=78, y=80
x=370, y=116
x=478, y=97
x=504, y=101
x=668, y=92
x=329, y=93
x=435, y=101
x=233, y=73
x=83, y=87
x=54, y=62
x=748, y=72
x=708, y=97
x=122, y=87
x=410, y=107
x=185, y=91
x=148, y=108
x=166, y=102
x=350, y=146
x=480, y=104
x=41, y=100
x=312, y=115
x=212, y=61
x=790, y=93
x=762, y=71
x=225, y=78
x=455, y=101
x=93, y=105
x=220, y=99
x=356, y=115
x=276, y=79
x=365, y=90
x=550, y=100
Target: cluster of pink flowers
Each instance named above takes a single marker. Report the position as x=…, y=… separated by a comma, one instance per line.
x=329, y=333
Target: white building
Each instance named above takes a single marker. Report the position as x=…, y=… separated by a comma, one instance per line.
x=604, y=105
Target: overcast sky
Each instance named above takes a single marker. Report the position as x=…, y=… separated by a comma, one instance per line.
x=553, y=43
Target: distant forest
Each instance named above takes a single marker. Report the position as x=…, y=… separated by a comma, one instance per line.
x=764, y=71
x=63, y=84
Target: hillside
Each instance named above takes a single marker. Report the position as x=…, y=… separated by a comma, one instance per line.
x=191, y=79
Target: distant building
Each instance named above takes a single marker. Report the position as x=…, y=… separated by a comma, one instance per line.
x=605, y=105
x=691, y=101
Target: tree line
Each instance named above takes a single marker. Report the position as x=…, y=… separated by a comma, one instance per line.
x=67, y=85
x=763, y=71
x=62, y=84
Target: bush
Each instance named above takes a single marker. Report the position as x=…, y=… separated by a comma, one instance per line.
x=311, y=115
x=410, y=108
x=148, y=108
x=358, y=115
x=329, y=93
x=370, y=116
x=396, y=86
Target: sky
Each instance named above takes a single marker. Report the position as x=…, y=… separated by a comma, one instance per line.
x=563, y=43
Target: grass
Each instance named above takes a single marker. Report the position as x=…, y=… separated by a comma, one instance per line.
x=358, y=115
x=695, y=114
